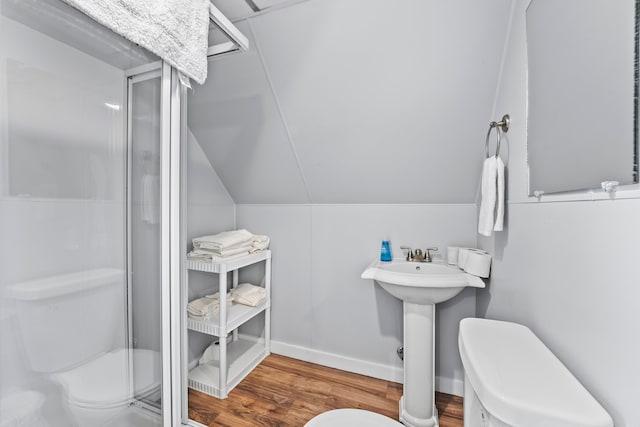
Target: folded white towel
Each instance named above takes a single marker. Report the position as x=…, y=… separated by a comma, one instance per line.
x=248, y=294
x=207, y=307
x=257, y=238
x=224, y=240
x=259, y=243
x=210, y=256
x=215, y=247
x=491, y=219
x=175, y=30
x=225, y=252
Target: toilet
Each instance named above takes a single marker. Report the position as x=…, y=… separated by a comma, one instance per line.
x=101, y=389
x=72, y=331
x=512, y=379
x=351, y=418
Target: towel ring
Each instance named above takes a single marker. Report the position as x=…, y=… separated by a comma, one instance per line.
x=486, y=144
x=504, y=125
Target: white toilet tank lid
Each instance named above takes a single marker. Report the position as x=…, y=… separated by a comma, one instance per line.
x=519, y=381
x=106, y=381
x=55, y=286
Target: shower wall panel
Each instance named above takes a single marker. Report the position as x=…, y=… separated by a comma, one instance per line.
x=62, y=190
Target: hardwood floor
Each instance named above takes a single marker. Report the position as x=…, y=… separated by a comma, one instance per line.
x=286, y=392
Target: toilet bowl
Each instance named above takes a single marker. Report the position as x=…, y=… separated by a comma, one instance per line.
x=351, y=418
x=512, y=379
x=100, y=390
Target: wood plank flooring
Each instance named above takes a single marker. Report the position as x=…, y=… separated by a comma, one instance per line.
x=286, y=392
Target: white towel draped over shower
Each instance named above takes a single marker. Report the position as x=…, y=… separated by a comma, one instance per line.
x=175, y=30
x=491, y=215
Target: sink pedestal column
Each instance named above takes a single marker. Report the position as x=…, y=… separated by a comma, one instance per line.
x=417, y=405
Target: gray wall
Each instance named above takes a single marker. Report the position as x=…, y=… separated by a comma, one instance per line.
x=324, y=312
x=345, y=123
x=567, y=269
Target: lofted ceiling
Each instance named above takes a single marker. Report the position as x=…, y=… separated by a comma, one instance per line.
x=355, y=102
x=242, y=9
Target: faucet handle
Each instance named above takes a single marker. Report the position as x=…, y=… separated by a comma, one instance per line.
x=409, y=252
x=428, y=251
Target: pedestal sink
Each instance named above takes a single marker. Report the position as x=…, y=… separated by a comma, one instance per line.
x=420, y=286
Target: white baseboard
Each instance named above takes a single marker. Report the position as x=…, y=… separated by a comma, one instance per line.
x=358, y=366
x=450, y=386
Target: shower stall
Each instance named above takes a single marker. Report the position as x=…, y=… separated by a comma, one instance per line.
x=91, y=237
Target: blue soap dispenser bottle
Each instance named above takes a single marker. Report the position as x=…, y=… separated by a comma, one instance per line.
x=385, y=251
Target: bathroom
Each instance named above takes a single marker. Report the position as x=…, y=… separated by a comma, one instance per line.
x=343, y=124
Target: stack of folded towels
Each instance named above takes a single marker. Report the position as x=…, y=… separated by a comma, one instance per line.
x=227, y=245
x=207, y=307
x=248, y=294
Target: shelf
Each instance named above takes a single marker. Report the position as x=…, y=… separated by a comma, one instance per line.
x=230, y=265
x=243, y=356
x=237, y=314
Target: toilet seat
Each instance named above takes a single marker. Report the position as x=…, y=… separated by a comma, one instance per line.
x=105, y=382
x=351, y=418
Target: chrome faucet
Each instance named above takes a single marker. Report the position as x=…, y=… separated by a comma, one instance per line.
x=418, y=255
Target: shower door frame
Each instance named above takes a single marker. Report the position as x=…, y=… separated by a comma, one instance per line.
x=173, y=245
x=172, y=131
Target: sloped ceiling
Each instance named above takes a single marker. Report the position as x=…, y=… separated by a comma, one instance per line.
x=360, y=101
x=242, y=9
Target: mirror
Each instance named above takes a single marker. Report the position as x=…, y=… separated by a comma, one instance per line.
x=582, y=125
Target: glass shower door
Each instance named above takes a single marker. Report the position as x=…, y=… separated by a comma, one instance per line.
x=144, y=237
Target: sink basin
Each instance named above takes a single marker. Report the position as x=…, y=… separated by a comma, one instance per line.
x=420, y=286
x=420, y=283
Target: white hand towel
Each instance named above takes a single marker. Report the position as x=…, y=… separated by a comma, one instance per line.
x=489, y=193
x=500, y=195
x=175, y=30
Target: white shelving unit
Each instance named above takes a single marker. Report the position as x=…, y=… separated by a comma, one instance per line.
x=240, y=356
